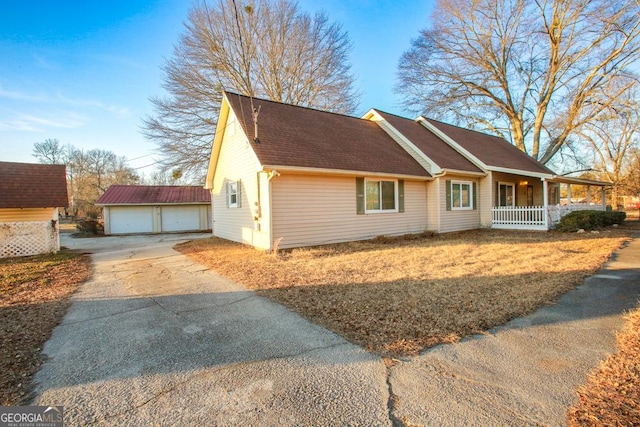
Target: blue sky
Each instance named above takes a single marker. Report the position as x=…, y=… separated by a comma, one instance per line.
x=82, y=72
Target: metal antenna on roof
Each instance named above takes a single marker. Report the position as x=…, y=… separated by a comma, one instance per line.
x=255, y=111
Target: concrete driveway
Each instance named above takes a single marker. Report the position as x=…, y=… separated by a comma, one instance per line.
x=156, y=339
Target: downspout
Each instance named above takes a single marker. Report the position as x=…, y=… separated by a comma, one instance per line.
x=270, y=175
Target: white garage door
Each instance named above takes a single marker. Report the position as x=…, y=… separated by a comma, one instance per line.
x=180, y=218
x=135, y=219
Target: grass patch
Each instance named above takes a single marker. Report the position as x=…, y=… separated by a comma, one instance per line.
x=399, y=296
x=34, y=296
x=611, y=396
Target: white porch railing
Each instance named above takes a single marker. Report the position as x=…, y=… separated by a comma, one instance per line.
x=519, y=217
x=533, y=217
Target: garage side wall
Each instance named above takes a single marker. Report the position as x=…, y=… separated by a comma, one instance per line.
x=316, y=210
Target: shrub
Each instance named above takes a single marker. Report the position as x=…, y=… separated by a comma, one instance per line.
x=589, y=220
x=613, y=217
x=90, y=226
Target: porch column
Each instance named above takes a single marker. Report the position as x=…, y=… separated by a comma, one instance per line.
x=545, y=202
x=588, y=195
x=603, y=192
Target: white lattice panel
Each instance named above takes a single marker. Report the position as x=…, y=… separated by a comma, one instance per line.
x=28, y=238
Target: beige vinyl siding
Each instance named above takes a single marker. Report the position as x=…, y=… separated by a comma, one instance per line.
x=486, y=197
x=456, y=220
x=433, y=206
x=28, y=214
x=237, y=161
x=315, y=210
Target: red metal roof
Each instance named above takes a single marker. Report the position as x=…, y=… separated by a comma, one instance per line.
x=304, y=137
x=154, y=194
x=29, y=185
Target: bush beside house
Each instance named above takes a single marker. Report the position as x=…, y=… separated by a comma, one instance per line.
x=590, y=220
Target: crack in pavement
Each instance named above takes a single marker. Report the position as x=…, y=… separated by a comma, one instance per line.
x=392, y=400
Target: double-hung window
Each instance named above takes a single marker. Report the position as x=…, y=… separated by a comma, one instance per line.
x=461, y=195
x=381, y=195
x=233, y=194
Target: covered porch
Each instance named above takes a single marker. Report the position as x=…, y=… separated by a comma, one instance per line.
x=545, y=216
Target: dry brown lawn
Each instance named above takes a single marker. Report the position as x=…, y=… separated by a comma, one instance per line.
x=399, y=296
x=611, y=397
x=34, y=296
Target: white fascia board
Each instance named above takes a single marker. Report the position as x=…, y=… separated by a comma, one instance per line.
x=521, y=172
x=223, y=117
x=341, y=172
x=408, y=146
x=580, y=181
x=443, y=136
x=461, y=172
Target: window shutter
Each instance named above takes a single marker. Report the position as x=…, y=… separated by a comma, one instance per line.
x=228, y=194
x=360, y=196
x=448, y=194
x=475, y=196
x=239, y=194
x=401, y=195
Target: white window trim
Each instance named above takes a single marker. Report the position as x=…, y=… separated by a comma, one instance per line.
x=395, y=197
x=229, y=194
x=462, y=208
x=513, y=193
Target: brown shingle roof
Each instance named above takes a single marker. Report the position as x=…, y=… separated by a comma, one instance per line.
x=435, y=148
x=491, y=150
x=303, y=137
x=153, y=194
x=28, y=185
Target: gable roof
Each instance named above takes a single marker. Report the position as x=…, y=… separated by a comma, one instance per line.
x=491, y=150
x=302, y=137
x=153, y=195
x=431, y=145
x=28, y=185
x=305, y=139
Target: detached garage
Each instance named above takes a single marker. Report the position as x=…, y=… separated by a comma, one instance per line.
x=132, y=209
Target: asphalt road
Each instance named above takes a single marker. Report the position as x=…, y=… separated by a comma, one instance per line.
x=155, y=339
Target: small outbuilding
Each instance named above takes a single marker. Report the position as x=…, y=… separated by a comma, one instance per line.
x=141, y=209
x=30, y=195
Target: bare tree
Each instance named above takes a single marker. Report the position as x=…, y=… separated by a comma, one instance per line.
x=526, y=70
x=50, y=151
x=269, y=49
x=632, y=177
x=612, y=135
x=89, y=172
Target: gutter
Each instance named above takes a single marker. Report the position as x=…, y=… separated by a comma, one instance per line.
x=305, y=170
